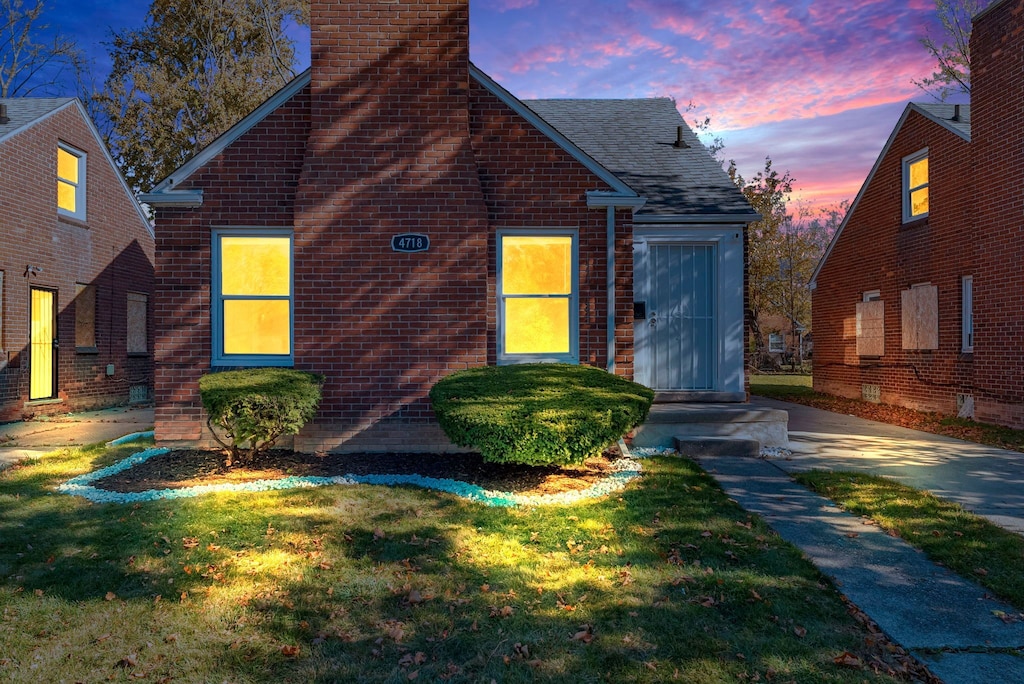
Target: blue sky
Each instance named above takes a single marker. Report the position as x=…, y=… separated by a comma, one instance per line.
x=815, y=84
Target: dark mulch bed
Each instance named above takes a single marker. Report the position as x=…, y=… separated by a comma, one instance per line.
x=190, y=467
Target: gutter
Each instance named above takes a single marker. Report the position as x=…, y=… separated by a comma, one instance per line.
x=611, y=201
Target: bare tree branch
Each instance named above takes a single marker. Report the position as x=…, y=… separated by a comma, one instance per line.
x=28, y=67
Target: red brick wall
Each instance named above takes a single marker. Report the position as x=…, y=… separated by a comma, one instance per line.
x=390, y=137
x=997, y=50
x=112, y=250
x=877, y=251
x=252, y=183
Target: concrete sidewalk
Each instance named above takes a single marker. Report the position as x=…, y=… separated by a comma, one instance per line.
x=949, y=623
x=33, y=438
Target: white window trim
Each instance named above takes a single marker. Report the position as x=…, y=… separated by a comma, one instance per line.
x=573, y=356
x=967, y=314
x=872, y=295
x=907, y=161
x=218, y=357
x=79, y=187
x=776, y=349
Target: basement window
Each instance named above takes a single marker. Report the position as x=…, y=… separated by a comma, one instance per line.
x=915, y=186
x=538, y=314
x=252, y=298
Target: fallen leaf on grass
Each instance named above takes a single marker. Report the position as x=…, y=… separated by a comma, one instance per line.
x=378, y=534
x=800, y=631
x=586, y=634
x=130, y=660
x=847, y=659
x=190, y=542
x=110, y=596
x=981, y=571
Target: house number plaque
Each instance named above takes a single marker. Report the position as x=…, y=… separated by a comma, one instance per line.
x=410, y=242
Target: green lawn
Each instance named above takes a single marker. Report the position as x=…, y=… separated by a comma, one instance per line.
x=668, y=580
x=781, y=386
x=965, y=543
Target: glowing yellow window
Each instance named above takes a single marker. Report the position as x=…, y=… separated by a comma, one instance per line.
x=537, y=287
x=255, y=287
x=916, y=183
x=70, y=188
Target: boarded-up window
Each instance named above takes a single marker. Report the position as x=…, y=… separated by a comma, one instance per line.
x=85, y=316
x=870, y=327
x=920, y=317
x=137, y=305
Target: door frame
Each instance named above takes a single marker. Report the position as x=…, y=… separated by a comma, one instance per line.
x=32, y=360
x=728, y=375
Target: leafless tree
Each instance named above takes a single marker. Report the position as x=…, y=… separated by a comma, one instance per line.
x=30, y=65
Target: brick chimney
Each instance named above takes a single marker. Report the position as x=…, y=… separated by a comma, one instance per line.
x=389, y=153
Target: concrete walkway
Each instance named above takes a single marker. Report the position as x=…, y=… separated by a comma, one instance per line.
x=949, y=623
x=33, y=438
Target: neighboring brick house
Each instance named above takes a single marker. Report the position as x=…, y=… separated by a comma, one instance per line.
x=523, y=222
x=76, y=266
x=919, y=300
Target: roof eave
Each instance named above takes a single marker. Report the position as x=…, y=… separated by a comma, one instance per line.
x=551, y=132
x=697, y=218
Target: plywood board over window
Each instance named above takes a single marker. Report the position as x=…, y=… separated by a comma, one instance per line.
x=138, y=304
x=871, y=328
x=920, y=318
x=85, y=316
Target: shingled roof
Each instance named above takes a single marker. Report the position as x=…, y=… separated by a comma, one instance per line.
x=957, y=117
x=24, y=110
x=634, y=139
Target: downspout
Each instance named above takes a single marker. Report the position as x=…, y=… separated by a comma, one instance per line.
x=610, y=286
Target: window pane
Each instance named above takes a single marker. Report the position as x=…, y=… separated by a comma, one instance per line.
x=537, y=326
x=258, y=326
x=919, y=173
x=66, y=196
x=255, y=266
x=67, y=166
x=536, y=264
x=919, y=202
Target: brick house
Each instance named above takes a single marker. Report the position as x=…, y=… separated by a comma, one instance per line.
x=394, y=215
x=919, y=300
x=76, y=266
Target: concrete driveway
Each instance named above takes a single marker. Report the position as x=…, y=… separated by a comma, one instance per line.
x=33, y=438
x=985, y=480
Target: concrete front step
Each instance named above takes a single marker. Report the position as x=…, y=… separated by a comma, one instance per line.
x=665, y=422
x=698, y=447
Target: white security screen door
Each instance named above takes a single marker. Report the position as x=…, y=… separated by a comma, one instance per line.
x=680, y=325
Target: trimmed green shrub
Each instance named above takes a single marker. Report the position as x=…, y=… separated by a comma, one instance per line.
x=257, y=405
x=538, y=414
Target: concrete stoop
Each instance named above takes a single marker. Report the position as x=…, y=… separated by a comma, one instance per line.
x=734, y=429
x=697, y=447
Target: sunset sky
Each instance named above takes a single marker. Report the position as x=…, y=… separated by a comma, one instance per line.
x=815, y=84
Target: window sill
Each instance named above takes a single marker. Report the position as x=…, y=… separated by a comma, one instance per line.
x=138, y=355
x=72, y=220
x=916, y=222
x=43, y=402
x=87, y=350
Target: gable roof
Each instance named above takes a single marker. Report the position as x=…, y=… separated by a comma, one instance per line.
x=24, y=112
x=954, y=118
x=634, y=139
x=163, y=193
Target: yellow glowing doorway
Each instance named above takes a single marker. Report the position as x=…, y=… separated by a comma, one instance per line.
x=42, y=336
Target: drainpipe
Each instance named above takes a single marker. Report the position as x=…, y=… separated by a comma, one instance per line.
x=610, y=286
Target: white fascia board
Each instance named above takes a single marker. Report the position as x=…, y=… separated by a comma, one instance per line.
x=911, y=107
x=231, y=135
x=29, y=124
x=603, y=198
x=697, y=218
x=863, y=188
x=174, y=198
x=942, y=122
x=117, y=169
x=551, y=132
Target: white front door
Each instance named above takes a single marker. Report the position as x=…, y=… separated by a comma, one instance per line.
x=676, y=326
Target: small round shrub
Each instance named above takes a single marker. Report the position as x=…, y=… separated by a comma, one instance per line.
x=538, y=414
x=257, y=405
